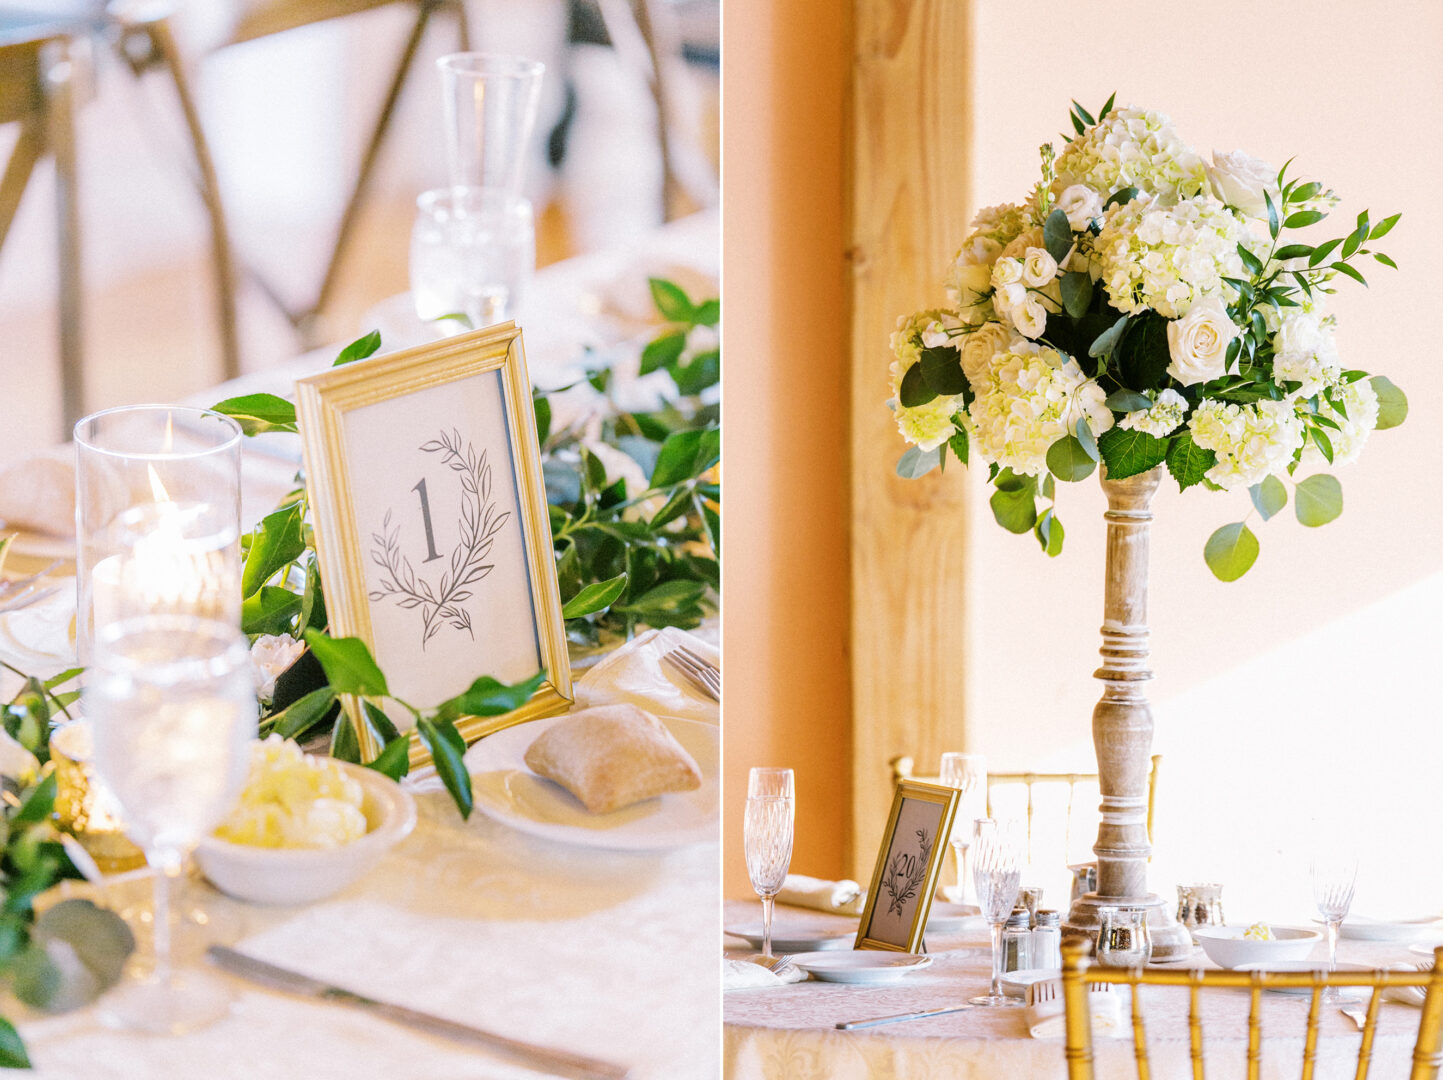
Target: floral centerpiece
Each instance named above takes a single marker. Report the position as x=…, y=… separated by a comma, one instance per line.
x=1143, y=307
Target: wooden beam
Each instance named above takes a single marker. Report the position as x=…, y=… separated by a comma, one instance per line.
x=909, y=200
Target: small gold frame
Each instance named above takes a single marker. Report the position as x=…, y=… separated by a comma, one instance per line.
x=947, y=799
x=322, y=402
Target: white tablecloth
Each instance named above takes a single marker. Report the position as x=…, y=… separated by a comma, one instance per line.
x=609, y=954
x=789, y=1033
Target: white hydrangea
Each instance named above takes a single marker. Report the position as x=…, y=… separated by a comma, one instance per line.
x=967, y=280
x=927, y=426
x=1304, y=349
x=1033, y=397
x=1131, y=148
x=1150, y=255
x=1162, y=419
x=1360, y=403
x=1251, y=441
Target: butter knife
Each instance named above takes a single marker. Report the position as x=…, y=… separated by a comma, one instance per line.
x=852, y=1025
x=544, y=1059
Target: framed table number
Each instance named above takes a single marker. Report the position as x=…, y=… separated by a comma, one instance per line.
x=908, y=865
x=431, y=523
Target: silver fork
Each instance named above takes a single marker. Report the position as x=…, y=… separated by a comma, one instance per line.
x=31, y=595
x=1051, y=990
x=705, y=680
x=775, y=964
x=701, y=662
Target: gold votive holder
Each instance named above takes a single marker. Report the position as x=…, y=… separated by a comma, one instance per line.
x=84, y=808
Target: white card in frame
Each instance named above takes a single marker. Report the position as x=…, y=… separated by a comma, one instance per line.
x=431, y=523
x=909, y=863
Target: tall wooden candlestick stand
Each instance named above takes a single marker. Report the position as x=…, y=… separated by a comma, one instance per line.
x=1122, y=725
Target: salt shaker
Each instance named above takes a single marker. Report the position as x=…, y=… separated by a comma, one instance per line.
x=1047, y=941
x=1017, y=942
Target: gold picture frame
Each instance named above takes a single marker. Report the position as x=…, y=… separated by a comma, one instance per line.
x=425, y=409
x=908, y=881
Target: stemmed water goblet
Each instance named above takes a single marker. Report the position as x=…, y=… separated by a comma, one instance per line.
x=172, y=701
x=997, y=875
x=1334, y=873
x=968, y=774
x=767, y=836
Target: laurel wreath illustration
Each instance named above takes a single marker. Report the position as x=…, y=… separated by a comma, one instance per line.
x=906, y=873
x=441, y=605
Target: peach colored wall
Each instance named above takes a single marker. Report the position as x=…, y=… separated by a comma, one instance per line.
x=785, y=399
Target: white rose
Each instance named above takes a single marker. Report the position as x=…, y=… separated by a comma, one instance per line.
x=970, y=283
x=978, y=349
x=1038, y=268
x=270, y=655
x=1198, y=342
x=1240, y=179
x=1030, y=317
x=1081, y=205
x=1006, y=271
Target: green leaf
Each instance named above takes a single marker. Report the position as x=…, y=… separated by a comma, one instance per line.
x=1067, y=460
x=916, y=462
x=1231, y=551
x=1049, y=533
x=1273, y=226
x=686, y=455
x=441, y=738
x=1106, y=342
x=1057, y=235
x=1107, y=107
x=1355, y=240
x=1269, y=497
x=313, y=600
x=1392, y=403
x=1322, y=442
x=344, y=744
x=702, y=371
x=487, y=697
x=98, y=937
x=1126, y=401
x=1352, y=272
x=394, y=760
x=1087, y=439
x=277, y=540
x=257, y=413
x=1120, y=197
x=1323, y=250
x=1303, y=218
x=662, y=352
x=914, y=390
x=304, y=713
x=1293, y=251
x=1318, y=500
x=1016, y=510
x=674, y=507
x=1076, y=293
x=1304, y=192
x=598, y=596
x=1384, y=227
x=542, y=407
x=1187, y=461
x=12, y=1049
x=1077, y=124
x=666, y=598
x=670, y=300
x=958, y=443
x=38, y=804
x=1251, y=261
x=707, y=313
x=1083, y=114
x=942, y=369
x=270, y=610
x=1007, y=480
x=360, y=349
x=1385, y=260
x=1127, y=453
x=348, y=665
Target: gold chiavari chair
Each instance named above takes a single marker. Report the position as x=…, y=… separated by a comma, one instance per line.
x=902, y=769
x=1078, y=973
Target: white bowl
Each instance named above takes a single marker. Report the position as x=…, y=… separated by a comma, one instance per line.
x=303, y=875
x=1226, y=946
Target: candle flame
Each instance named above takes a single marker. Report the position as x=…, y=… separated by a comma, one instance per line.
x=156, y=487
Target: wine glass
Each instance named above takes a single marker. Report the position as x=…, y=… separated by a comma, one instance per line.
x=968, y=774
x=997, y=874
x=1334, y=873
x=767, y=835
x=172, y=700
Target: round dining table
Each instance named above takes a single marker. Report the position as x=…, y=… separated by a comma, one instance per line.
x=789, y=1032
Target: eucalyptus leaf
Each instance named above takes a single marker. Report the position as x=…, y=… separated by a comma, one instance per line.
x=1076, y=293
x=1057, y=235
x=1125, y=401
x=1068, y=460
x=1085, y=436
x=12, y=1049
x=915, y=390
x=916, y=462
x=1392, y=403
x=1106, y=342
x=941, y=367
x=1120, y=197
x=1015, y=511
x=1318, y=500
x=1049, y=533
x=1269, y=496
x=1231, y=551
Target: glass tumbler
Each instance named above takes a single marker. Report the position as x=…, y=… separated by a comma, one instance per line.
x=473, y=251
x=489, y=105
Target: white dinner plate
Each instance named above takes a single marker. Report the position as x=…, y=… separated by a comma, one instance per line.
x=1425, y=948
x=1398, y=931
x=861, y=967
x=1015, y=983
x=505, y=789
x=795, y=936
x=1308, y=965
x=948, y=918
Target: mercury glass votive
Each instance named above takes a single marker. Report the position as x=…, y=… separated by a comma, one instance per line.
x=84, y=808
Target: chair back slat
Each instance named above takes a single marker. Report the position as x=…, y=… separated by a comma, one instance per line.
x=1428, y=1051
x=1194, y=1028
x=1310, y=1042
x=1370, y=1029
x=1139, y=1037
x=1255, y=1026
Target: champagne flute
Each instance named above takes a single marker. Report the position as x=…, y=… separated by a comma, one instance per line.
x=968, y=774
x=172, y=700
x=1334, y=872
x=767, y=835
x=997, y=875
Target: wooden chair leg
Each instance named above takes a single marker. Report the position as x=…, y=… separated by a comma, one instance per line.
x=29, y=148
x=60, y=77
x=162, y=43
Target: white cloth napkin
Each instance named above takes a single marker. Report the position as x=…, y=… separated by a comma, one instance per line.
x=841, y=897
x=1047, y=1020
x=744, y=975
x=37, y=493
x=635, y=674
